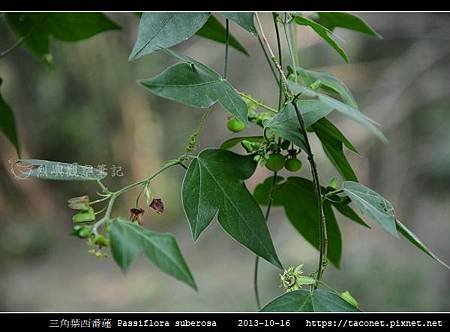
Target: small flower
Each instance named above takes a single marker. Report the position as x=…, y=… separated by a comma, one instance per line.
x=292, y=279
x=136, y=215
x=79, y=203
x=157, y=205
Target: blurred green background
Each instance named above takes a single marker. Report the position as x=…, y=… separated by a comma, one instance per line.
x=89, y=109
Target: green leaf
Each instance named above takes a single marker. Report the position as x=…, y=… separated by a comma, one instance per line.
x=338, y=106
x=244, y=19
x=261, y=194
x=37, y=28
x=324, y=33
x=128, y=239
x=298, y=198
x=411, y=237
x=381, y=211
x=55, y=170
x=197, y=85
x=214, y=30
x=332, y=20
x=165, y=29
x=285, y=123
x=72, y=27
x=8, y=123
x=34, y=30
x=328, y=82
x=348, y=212
x=231, y=142
x=372, y=204
x=262, y=190
x=125, y=244
x=350, y=299
x=332, y=142
x=306, y=301
x=214, y=183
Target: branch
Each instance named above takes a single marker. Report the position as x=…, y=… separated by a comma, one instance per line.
x=255, y=275
x=14, y=46
x=115, y=194
x=323, y=237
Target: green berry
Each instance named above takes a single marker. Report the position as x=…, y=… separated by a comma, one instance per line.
x=293, y=165
x=235, y=125
x=275, y=162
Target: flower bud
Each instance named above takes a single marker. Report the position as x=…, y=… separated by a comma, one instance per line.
x=84, y=216
x=79, y=203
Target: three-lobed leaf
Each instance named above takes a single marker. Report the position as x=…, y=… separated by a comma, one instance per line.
x=307, y=301
x=37, y=28
x=8, y=123
x=165, y=29
x=214, y=185
x=197, y=85
x=128, y=239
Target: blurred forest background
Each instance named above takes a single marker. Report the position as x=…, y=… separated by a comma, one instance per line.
x=89, y=109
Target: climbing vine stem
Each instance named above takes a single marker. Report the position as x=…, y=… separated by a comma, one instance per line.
x=323, y=237
x=227, y=42
x=14, y=46
x=280, y=59
x=255, y=275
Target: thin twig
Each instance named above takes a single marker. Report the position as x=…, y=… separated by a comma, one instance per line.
x=257, y=102
x=114, y=195
x=16, y=44
x=288, y=34
x=280, y=59
x=255, y=274
x=323, y=235
x=227, y=42
x=264, y=41
x=274, y=73
x=323, y=238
